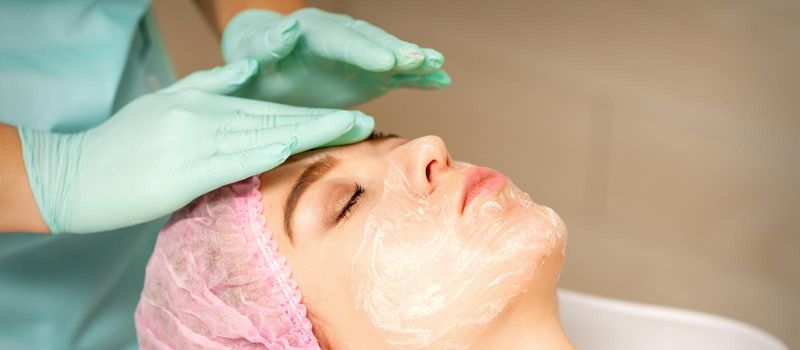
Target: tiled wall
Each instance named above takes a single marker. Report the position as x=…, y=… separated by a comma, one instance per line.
x=667, y=134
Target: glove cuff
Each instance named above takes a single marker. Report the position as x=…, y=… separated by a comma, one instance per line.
x=52, y=161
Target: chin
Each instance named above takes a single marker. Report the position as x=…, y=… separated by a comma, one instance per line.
x=550, y=258
x=546, y=230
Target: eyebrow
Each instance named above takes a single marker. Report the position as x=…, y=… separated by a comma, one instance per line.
x=310, y=175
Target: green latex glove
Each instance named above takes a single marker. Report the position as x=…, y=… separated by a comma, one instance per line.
x=166, y=148
x=315, y=58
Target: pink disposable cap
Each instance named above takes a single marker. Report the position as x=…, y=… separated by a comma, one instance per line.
x=217, y=281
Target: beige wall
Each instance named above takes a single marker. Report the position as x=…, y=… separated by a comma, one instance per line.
x=667, y=134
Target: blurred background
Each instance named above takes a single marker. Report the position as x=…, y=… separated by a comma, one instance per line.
x=666, y=134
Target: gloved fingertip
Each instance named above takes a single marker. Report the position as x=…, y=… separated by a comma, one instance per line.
x=361, y=130
x=433, y=58
x=436, y=80
x=242, y=71
x=250, y=68
x=289, y=29
x=409, y=57
x=441, y=78
x=431, y=81
x=280, y=40
x=292, y=144
x=339, y=120
x=364, y=122
x=289, y=148
x=274, y=154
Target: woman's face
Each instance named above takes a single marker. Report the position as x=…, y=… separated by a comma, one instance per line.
x=395, y=245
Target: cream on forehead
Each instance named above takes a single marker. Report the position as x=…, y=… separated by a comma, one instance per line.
x=429, y=279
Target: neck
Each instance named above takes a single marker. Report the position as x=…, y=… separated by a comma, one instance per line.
x=528, y=324
x=531, y=320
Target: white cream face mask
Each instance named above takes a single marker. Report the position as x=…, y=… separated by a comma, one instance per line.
x=429, y=276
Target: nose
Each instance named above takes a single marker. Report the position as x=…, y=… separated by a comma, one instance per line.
x=425, y=159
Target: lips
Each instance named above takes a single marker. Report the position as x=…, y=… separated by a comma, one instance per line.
x=479, y=181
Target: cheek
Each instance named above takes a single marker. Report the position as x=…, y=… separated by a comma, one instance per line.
x=322, y=271
x=426, y=276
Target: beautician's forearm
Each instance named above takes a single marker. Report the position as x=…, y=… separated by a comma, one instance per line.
x=18, y=211
x=220, y=12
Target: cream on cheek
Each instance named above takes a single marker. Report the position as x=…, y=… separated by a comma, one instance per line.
x=429, y=278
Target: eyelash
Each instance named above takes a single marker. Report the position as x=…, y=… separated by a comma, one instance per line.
x=357, y=193
x=379, y=135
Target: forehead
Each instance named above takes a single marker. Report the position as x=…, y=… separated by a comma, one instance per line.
x=299, y=162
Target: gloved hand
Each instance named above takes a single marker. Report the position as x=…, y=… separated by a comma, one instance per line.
x=166, y=148
x=315, y=58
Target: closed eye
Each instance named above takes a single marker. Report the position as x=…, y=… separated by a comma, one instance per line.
x=379, y=135
x=358, y=192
